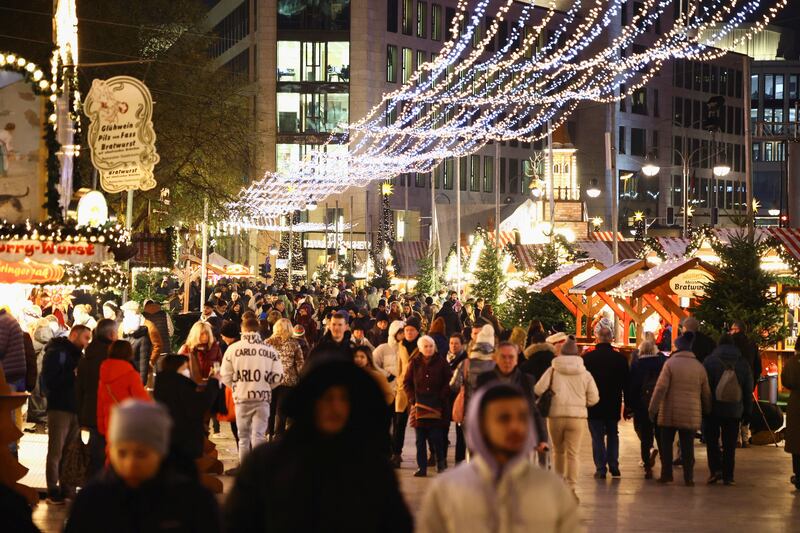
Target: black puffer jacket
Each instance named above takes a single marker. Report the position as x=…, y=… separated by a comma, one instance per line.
x=142, y=347
x=187, y=405
x=308, y=482
x=88, y=379
x=58, y=374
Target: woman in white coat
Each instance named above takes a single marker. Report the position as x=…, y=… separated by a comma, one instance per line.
x=575, y=390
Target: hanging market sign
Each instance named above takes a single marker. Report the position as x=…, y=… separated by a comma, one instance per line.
x=30, y=272
x=690, y=284
x=49, y=251
x=237, y=270
x=121, y=135
x=319, y=244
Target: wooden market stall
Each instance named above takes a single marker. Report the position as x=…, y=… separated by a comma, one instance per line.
x=562, y=280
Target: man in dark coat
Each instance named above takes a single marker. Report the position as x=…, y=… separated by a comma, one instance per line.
x=329, y=471
x=336, y=341
x=452, y=322
x=58, y=377
x=749, y=351
x=86, y=390
x=609, y=368
x=379, y=334
x=702, y=345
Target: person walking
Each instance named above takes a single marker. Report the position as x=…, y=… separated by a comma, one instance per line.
x=539, y=356
x=362, y=357
x=703, y=345
x=426, y=385
x=86, y=386
x=731, y=381
x=118, y=381
x=437, y=333
x=450, y=314
x=499, y=490
x=336, y=341
x=202, y=349
x=645, y=370
x=406, y=350
x=292, y=361
x=609, y=368
x=749, y=351
x=790, y=378
x=141, y=490
x=328, y=472
x=251, y=369
x=58, y=376
x=575, y=391
x=681, y=397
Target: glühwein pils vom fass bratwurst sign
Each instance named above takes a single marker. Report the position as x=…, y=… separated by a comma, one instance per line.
x=121, y=135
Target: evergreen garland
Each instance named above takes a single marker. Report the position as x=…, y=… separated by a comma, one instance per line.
x=652, y=245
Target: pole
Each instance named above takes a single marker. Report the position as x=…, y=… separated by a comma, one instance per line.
x=497, y=195
x=748, y=143
x=685, y=171
x=552, y=186
x=128, y=225
x=352, y=250
x=614, y=184
x=187, y=281
x=291, y=235
x=431, y=249
x=204, y=263
x=336, y=240
x=458, y=223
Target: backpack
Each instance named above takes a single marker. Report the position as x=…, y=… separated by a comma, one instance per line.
x=728, y=389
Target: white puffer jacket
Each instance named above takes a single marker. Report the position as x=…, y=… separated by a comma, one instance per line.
x=574, y=387
x=385, y=355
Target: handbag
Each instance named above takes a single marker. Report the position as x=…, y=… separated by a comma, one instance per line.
x=546, y=399
x=428, y=407
x=458, y=403
x=74, y=463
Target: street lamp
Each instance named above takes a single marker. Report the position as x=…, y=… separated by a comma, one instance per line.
x=273, y=250
x=721, y=169
x=650, y=167
x=774, y=212
x=593, y=191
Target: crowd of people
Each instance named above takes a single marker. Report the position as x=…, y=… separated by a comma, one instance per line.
x=319, y=385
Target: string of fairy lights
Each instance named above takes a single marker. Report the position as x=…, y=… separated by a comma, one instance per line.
x=472, y=93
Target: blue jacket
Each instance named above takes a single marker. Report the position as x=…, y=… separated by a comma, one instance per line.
x=58, y=374
x=641, y=368
x=732, y=357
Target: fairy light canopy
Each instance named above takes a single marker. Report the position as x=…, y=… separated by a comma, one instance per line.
x=472, y=92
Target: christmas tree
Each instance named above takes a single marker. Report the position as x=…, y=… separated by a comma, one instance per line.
x=741, y=291
x=428, y=280
x=490, y=280
x=385, y=238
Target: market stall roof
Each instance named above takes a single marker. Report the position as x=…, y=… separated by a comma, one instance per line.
x=563, y=274
x=408, y=253
x=211, y=267
x=603, y=250
x=790, y=238
x=215, y=259
x=609, y=277
x=674, y=246
x=606, y=236
x=656, y=276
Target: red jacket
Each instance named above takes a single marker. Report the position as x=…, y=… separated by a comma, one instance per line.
x=118, y=381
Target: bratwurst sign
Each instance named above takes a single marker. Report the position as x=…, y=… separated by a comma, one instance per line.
x=48, y=252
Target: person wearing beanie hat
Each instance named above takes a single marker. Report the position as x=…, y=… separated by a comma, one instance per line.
x=141, y=485
x=609, y=368
x=379, y=333
x=574, y=391
x=680, y=398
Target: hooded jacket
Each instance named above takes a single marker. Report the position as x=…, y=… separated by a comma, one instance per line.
x=452, y=321
x=58, y=374
x=538, y=358
x=309, y=482
x=728, y=356
x=251, y=369
x=682, y=393
x=480, y=361
x=12, y=348
x=118, y=381
x=187, y=406
x=482, y=497
x=609, y=368
x=385, y=355
x=88, y=379
x=574, y=387
x=329, y=347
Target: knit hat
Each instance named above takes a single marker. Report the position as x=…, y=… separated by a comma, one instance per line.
x=381, y=316
x=298, y=331
x=230, y=329
x=139, y=421
x=486, y=335
x=414, y=322
x=570, y=347
x=684, y=342
x=557, y=337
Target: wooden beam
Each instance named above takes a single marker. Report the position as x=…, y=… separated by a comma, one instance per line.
x=565, y=300
x=656, y=305
x=612, y=304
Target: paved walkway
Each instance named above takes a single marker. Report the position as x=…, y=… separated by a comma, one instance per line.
x=761, y=501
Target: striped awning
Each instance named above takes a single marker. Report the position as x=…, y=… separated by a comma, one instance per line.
x=506, y=237
x=526, y=255
x=673, y=246
x=725, y=234
x=790, y=238
x=408, y=254
x=605, y=236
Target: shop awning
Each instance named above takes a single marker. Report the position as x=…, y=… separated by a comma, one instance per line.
x=506, y=237
x=606, y=236
x=790, y=238
x=654, y=277
x=726, y=234
x=408, y=253
x=216, y=259
x=526, y=255
x=563, y=274
x=609, y=277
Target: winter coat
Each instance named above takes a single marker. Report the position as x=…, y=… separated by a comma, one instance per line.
x=58, y=374
x=385, y=356
x=311, y=483
x=251, y=369
x=291, y=359
x=452, y=321
x=31, y=369
x=140, y=342
x=750, y=353
x=526, y=383
x=442, y=343
x=427, y=381
x=12, y=348
x=644, y=372
x=187, y=406
x=161, y=322
x=480, y=497
x=88, y=379
x=539, y=357
x=170, y=502
x=309, y=324
x=790, y=378
x=574, y=387
x=118, y=381
x=328, y=347
x=609, y=368
x=480, y=362
x=702, y=345
x=715, y=364
x=682, y=394
x=455, y=359
x=378, y=336
x=202, y=359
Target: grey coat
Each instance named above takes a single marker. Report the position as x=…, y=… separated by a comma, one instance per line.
x=790, y=377
x=682, y=394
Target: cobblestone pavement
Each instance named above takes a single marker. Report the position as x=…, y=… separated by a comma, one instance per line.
x=761, y=501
